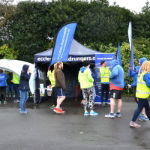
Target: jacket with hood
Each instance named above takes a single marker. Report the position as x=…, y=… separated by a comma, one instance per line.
x=134, y=74
x=3, y=80
x=85, y=78
x=117, y=76
x=24, y=78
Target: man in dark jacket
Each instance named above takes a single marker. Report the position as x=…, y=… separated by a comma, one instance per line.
x=24, y=87
x=60, y=87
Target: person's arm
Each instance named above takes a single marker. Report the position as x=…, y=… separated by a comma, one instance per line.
x=147, y=79
x=114, y=73
x=90, y=78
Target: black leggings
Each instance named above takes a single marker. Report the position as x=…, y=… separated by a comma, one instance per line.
x=142, y=103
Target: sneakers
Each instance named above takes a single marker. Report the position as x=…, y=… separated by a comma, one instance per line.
x=110, y=115
x=23, y=112
x=86, y=113
x=58, y=111
x=141, y=118
x=134, y=125
x=93, y=113
x=118, y=115
x=0, y=102
x=16, y=101
x=52, y=107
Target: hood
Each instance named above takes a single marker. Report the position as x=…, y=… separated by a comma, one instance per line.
x=82, y=69
x=113, y=63
x=137, y=68
x=141, y=60
x=25, y=68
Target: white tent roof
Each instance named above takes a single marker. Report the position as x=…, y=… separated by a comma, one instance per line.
x=14, y=65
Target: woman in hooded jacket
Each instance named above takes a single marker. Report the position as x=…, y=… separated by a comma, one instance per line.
x=24, y=88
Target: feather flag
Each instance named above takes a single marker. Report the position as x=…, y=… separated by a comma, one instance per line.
x=118, y=55
x=131, y=46
x=63, y=43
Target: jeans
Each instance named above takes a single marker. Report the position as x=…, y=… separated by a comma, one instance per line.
x=23, y=99
x=142, y=103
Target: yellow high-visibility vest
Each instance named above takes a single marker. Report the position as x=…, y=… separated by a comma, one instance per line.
x=15, y=79
x=51, y=77
x=104, y=74
x=142, y=91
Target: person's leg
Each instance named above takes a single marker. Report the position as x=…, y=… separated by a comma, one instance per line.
x=60, y=99
x=85, y=98
x=147, y=109
x=22, y=100
x=102, y=92
x=112, y=105
x=138, y=110
x=107, y=93
x=119, y=109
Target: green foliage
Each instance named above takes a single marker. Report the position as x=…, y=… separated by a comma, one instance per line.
x=7, y=52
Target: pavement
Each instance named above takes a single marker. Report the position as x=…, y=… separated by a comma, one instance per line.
x=42, y=129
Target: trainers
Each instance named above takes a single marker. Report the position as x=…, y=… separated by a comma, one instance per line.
x=93, y=113
x=118, y=115
x=146, y=118
x=141, y=118
x=52, y=107
x=0, y=102
x=110, y=115
x=86, y=113
x=23, y=112
x=58, y=111
x=134, y=125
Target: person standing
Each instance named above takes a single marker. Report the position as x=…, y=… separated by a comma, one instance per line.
x=142, y=93
x=24, y=88
x=60, y=87
x=86, y=83
x=16, y=81
x=104, y=78
x=51, y=77
x=116, y=88
x=3, y=85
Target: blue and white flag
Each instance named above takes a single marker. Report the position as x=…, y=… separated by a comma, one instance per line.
x=118, y=55
x=131, y=46
x=63, y=43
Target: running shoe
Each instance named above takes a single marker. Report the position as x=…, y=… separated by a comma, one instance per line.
x=134, y=125
x=118, y=115
x=110, y=115
x=93, y=113
x=86, y=113
x=58, y=111
x=141, y=118
x=23, y=112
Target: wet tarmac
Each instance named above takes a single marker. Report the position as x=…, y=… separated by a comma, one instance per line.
x=42, y=129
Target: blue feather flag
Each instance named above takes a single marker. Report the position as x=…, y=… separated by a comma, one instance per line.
x=63, y=43
x=118, y=55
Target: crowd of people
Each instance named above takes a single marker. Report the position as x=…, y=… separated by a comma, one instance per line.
x=112, y=86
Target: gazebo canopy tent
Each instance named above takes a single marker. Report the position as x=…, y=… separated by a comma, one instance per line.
x=78, y=53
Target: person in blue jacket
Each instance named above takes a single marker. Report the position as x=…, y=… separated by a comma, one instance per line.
x=3, y=85
x=116, y=88
x=142, y=93
x=134, y=74
x=24, y=88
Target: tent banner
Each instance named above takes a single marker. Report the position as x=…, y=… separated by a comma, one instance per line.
x=63, y=43
x=46, y=59
x=98, y=59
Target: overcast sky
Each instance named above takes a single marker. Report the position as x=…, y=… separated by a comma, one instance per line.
x=133, y=5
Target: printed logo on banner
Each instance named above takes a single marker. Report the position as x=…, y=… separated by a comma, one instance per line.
x=98, y=59
x=63, y=43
